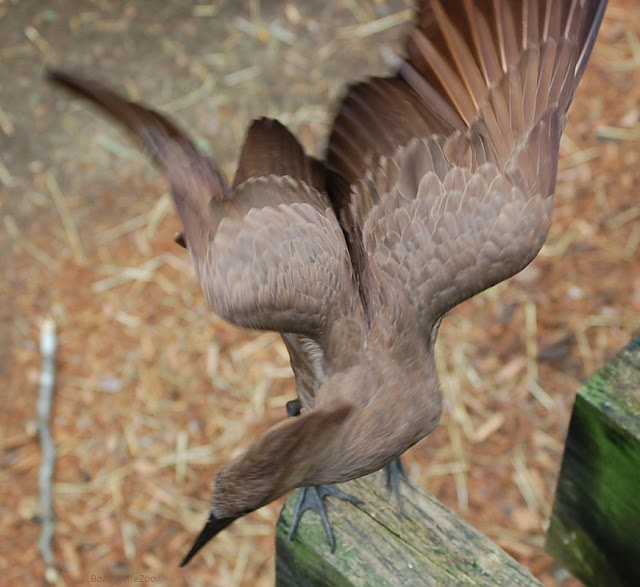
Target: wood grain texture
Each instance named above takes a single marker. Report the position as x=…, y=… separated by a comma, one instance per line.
x=595, y=526
x=377, y=543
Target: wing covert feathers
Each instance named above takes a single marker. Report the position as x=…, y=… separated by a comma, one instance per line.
x=269, y=251
x=452, y=162
x=438, y=180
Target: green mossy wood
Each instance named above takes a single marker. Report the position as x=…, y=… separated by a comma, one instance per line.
x=379, y=544
x=595, y=526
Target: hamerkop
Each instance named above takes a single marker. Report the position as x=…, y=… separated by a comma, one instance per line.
x=437, y=183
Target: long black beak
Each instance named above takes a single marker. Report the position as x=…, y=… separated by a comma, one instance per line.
x=211, y=528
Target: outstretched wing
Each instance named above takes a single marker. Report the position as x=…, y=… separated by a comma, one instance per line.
x=279, y=265
x=450, y=226
x=453, y=170
x=269, y=252
x=195, y=181
x=278, y=259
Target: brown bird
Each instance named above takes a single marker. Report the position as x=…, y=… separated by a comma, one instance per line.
x=438, y=183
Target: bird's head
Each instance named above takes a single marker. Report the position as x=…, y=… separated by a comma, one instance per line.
x=288, y=455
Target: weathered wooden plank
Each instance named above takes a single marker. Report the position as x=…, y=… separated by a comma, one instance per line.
x=379, y=544
x=595, y=525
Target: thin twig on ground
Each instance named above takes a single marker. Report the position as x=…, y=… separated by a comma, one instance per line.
x=48, y=346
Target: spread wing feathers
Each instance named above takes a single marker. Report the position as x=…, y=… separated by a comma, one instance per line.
x=454, y=223
x=460, y=196
x=270, y=149
x=375, y=117
x=278, y=260
x=269, y=253
x=281, y=266
x=195, y=182
x=461, y=49
x=461, y=54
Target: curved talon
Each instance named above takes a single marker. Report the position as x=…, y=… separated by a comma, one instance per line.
x=311, y=498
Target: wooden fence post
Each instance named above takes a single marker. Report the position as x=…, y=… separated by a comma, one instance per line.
x=595, y=525
x=379, y=544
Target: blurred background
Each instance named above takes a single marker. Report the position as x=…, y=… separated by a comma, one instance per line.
x=155, y=393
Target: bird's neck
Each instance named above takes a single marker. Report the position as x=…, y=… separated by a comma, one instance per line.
x=395, y=404
x=383, y=398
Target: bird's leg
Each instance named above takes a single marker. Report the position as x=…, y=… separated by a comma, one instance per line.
x=395, y=473
x=311, y=498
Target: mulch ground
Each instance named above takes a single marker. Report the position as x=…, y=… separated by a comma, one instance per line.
x=154, y=393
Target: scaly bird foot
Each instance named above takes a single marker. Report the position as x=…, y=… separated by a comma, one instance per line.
x=311, y=498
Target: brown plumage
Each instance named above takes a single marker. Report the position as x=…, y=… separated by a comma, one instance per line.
x=437, y=184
